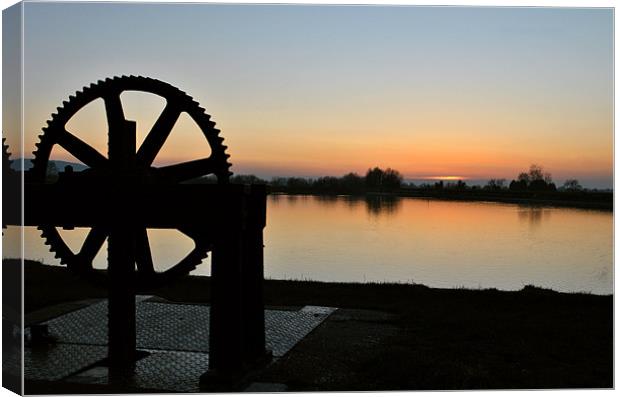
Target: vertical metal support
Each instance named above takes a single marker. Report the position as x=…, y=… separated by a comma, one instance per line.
x=252, y=278
x=237, y=324
x=121, y=253
x=225, y=334
x=121, y=299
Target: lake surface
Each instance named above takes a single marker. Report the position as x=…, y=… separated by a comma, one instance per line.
x=433, y=242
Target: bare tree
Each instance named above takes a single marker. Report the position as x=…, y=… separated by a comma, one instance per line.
x=572, y=185
x=524, y=178
x=536, y=173
x=495, y=184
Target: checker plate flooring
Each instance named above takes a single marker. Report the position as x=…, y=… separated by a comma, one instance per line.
x=175, y=335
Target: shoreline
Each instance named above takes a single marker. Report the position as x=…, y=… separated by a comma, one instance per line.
x=299, y=291
x=49, y=284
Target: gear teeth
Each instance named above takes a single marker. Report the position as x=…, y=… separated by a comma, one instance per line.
x=6, y=160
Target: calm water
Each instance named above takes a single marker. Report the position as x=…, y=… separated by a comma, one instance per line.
x=432, y=242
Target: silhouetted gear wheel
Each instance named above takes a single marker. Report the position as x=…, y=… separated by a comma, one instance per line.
x=6, y=158
x=10, y=184
x=99, y=168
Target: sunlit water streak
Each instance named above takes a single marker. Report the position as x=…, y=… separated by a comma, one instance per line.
x=432, y=242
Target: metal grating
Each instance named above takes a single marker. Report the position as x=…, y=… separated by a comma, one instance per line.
x=161, y=370
x=61, y=360
x=176, y=335
x=185, y=328
x=87, y=326
x=284, y=329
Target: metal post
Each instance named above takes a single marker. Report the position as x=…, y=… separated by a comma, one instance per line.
x=252, y=278
x=121, y=299
x=121, y=251
x=225, y=334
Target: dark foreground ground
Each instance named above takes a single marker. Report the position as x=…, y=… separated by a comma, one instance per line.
x=391, y=337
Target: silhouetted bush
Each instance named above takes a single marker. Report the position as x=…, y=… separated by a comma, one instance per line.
x=352, y=182
x=572, y=185
x=458, y=185
x=536, y=180
x=248, y=180
x=383, y=181
x=518, y=185
x=495, y=184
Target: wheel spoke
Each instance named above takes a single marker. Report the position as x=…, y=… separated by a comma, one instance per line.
x=92, y=244
x=188, y=231
x=114, y=111
x=157, y=136
x=81, y=150
x=188, y=170
x=198, y=235
x=144, y=259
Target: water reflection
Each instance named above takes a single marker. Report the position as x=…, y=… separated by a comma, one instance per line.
x=439, y=243
x=327, y=200
x=383, y=204
x=292, y=199
x=533, y=215
x=376, y=205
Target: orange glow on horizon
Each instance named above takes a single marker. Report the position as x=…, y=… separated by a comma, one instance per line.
x=444, y=178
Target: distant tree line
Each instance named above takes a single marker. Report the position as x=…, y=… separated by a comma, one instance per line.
x=534, y=180
x=377, y=180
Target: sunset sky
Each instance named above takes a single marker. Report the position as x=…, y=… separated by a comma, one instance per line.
x=323, y=90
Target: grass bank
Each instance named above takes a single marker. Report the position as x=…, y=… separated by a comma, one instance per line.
x=411, y=337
